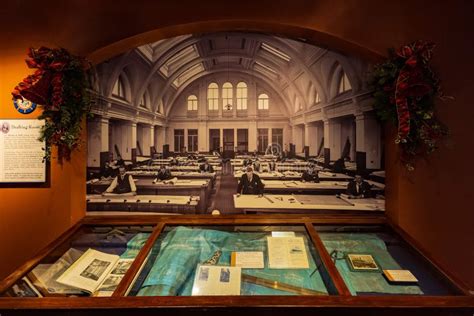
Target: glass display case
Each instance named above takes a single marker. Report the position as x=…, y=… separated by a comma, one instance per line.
x=179, y=252
x=120, y=243
x=204, y=263
x=381, y=247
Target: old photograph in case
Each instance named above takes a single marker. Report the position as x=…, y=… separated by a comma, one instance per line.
x=362, y=262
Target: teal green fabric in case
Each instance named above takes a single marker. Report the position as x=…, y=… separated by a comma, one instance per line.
x=357, y=281
x=134, y=245
x=184, y=248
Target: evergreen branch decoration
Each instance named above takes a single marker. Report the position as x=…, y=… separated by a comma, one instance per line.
x=405, y=88
x=60, y=85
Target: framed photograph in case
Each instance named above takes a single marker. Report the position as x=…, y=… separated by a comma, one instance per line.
x=362, y=262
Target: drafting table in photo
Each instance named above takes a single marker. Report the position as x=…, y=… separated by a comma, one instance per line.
x=315, y=204
x=322, y=187
x=189, y=187
x=181, y=175
x=292, y=175
x=144, y=203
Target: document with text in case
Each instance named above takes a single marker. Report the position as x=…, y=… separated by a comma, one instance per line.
x=247, y=259
x=287, y=253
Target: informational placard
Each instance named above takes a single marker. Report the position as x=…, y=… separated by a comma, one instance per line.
x=21, y=153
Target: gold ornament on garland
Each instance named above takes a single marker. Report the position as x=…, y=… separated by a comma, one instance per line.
x=60, y=85
x=405, y=88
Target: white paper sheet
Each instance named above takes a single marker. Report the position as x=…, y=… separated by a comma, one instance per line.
x=287, y=253
x=248, y=259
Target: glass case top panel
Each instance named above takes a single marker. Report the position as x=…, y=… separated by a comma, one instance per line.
x=122, y=240
x=232, y=260
x=374, y=261
x=91, y=262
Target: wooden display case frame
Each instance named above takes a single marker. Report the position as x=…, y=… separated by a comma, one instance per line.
x=341, y=304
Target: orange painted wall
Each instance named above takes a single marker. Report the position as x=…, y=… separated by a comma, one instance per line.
x=31, y=218
x=433, y=204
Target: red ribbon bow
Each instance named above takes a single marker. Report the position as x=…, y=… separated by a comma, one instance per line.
x=410, y=82
x=50, y=62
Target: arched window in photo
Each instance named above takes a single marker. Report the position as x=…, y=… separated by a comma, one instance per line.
x=227, y=95
x=213, y=96
x=263, y=102
x=192, y=103
x=241, y=96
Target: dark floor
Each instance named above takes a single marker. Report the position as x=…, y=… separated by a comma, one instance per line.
x=222, y=199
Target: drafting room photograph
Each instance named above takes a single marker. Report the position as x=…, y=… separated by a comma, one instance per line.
x=306, y=156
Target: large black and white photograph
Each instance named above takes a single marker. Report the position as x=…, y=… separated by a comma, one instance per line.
x=237, y=123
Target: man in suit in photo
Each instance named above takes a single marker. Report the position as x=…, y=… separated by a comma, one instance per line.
x=310, y=174
x=250, y=183
x=358, y=188
x=206, y=167
x=174, y=161
x=163, y=174
x=122, y=183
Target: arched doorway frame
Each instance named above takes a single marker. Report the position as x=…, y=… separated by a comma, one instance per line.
x=307, y=35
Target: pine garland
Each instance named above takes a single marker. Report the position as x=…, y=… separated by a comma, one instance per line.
x=60, y=85
x=405, y=88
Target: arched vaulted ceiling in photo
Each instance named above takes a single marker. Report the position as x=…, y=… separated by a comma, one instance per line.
x=154, y=76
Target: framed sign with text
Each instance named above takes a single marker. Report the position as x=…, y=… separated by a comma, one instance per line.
x=21, y=153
